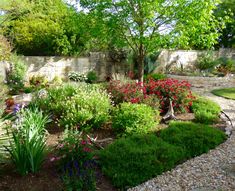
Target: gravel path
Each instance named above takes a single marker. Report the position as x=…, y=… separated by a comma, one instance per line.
x=213, y=171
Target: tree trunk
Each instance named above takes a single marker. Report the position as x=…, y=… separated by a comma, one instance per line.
x=141, y=64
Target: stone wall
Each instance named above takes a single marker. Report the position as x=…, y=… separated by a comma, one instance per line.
x=53, y=66
x=181, y=59
x=104, y=65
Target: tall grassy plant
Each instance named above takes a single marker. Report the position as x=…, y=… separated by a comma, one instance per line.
x=27, y=149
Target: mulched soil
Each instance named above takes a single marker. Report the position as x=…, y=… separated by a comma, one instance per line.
x=48, y=178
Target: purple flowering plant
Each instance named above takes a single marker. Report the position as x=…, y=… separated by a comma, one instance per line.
x=75, y=159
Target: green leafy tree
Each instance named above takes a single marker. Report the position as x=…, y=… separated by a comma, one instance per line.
x=43, y=27
x=146, y=26
x=227, y=10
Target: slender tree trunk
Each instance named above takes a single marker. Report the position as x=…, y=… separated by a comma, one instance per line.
x=141, y=51
x=141, y=64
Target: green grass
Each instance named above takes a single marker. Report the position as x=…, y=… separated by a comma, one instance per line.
x=226, y=93
x=132, y=160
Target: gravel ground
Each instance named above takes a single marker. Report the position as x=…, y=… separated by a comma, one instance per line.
x=213, y=171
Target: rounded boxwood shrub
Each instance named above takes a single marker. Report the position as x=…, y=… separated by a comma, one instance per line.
x=194, y=138
x=134, y=118
x=206, y=111
x=130, y=161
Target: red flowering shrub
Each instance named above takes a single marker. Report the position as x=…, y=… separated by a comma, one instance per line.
x=126, y=92
x=170, y=89
x=154, y=92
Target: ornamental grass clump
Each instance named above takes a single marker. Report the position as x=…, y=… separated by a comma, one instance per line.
x=134, y=118
x=28, y=145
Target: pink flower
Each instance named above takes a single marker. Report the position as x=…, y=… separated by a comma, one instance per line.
x=83, y=142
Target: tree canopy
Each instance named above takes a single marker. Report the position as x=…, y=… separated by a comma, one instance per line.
x=227, y=10
x=46, y=27
x=145, y=26
x=43, y=27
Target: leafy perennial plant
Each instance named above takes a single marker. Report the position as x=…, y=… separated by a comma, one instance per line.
x=27, y=149
x=83, y=105
x=76, y=161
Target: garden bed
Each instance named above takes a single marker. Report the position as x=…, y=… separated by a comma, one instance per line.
x=136, y=116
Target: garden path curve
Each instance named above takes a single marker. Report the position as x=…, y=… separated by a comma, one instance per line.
x=213, y=171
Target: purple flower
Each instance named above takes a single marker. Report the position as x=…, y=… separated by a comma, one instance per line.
x=17, y=108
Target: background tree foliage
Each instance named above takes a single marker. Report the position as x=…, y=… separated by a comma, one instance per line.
x=52, y=27
x=43, y=27
x=227, y=10
x=5, y=49
x=146, y=26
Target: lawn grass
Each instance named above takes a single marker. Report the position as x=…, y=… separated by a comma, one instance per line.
x=226, y=93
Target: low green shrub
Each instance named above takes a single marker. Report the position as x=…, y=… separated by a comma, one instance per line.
x=77, y=77
x=130, y=161
x=134, y=118
x=89, y=108
x=27, y=149
x=38, y=81
x=194, y=138
x=155, y=76
x=91, y=77
x=206, y=111
x=202, y=116
x=206, y=62
x=225, y=65
x=53, y=103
